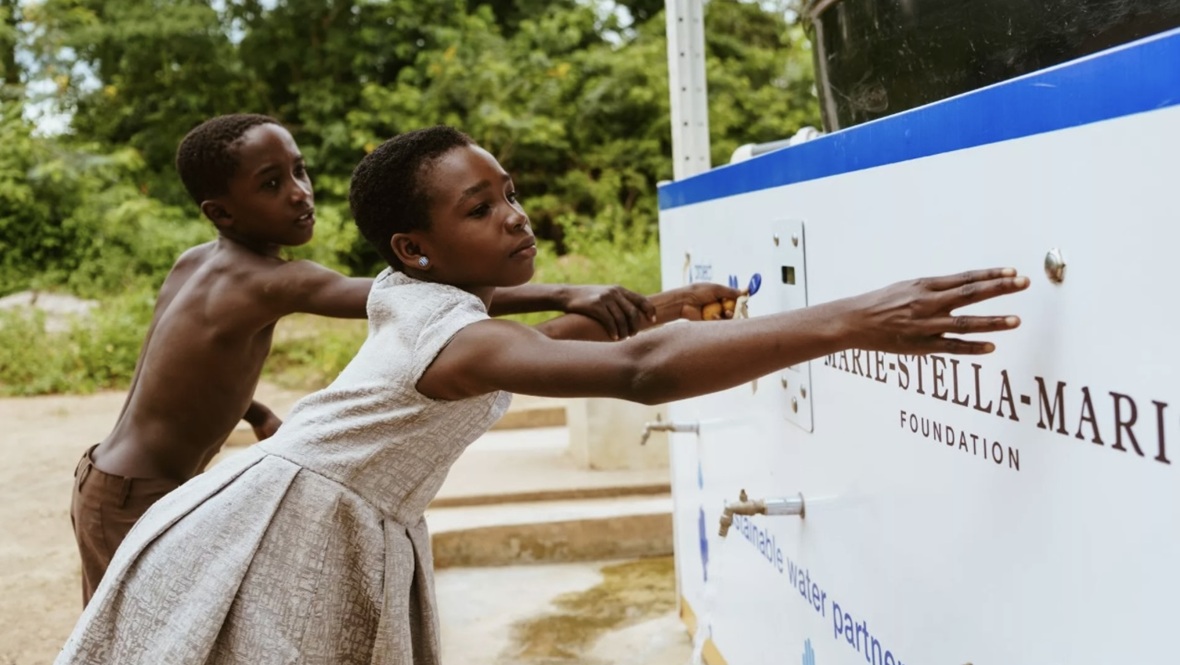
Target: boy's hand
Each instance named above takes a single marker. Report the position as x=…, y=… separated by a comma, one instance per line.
x=263, y=420
x=623, y=313
x=267, y=427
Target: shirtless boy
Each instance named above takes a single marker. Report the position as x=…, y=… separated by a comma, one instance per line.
x=214, y=318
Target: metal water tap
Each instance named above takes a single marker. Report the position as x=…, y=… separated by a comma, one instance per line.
x=660, y=426
x=782, y=506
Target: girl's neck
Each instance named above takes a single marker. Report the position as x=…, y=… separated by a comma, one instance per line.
x=484, y=293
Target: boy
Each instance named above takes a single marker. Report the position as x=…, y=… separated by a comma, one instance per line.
x=213, y=321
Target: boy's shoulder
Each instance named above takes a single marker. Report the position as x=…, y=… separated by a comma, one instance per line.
x=194, y=255
x=231, y=261
x=242, y=284
x=216, y=272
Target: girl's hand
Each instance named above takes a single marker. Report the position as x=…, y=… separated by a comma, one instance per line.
x=913, y=317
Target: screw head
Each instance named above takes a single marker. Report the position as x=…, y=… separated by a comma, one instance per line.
x=1055, y=266
x=776, y=240
x=794, y=405
x=803, y=392
x=795, y=239
x=785, y=383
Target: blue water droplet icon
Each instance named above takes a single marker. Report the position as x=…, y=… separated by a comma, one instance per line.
x=755, y=283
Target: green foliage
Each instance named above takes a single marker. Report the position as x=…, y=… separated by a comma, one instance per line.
x=308, y=351
x=163, y=67
x=96, y=352
x=569, y=96
x=76, y=219
x=335, y=236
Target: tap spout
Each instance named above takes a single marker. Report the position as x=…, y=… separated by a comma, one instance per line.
x=744, y=506
x=658, y=425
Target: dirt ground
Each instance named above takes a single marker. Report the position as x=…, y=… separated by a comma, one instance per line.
x=40, y=593
x=41, y=439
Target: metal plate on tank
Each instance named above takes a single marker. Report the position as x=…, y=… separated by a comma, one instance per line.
x=788, y=279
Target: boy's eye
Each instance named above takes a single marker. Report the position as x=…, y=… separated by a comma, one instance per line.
x=300, y=171
x=512, y=197
x=480, y=210
x=273, y=183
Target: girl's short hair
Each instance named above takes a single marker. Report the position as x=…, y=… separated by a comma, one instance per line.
x=388, y=192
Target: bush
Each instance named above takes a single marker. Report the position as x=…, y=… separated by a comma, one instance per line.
x=309, y=351
x=96, y=352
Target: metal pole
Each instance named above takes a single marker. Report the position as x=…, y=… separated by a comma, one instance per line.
x=686, y=85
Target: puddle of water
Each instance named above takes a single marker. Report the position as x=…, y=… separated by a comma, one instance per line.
x=630, y=593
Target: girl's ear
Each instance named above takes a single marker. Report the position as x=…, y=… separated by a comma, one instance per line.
x=216, y=213
x=407, y=250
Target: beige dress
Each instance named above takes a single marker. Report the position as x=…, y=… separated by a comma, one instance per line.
x=309, y=547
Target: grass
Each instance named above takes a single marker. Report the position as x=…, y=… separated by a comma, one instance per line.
x=309, y=351
x=95, y=353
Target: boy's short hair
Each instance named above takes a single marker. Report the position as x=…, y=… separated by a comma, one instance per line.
x=207, y=157
x=387, y=194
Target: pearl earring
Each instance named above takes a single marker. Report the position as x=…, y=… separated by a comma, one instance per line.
x=422, y=261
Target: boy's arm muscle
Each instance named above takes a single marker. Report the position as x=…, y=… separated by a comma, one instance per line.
x=528, y=298
x=681, y=303
x=308, y=287
x=620, y=312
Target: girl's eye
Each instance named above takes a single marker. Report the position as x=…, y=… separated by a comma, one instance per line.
x=480, y=210
x=300, y=171
x=512, y=197
x=273, y=183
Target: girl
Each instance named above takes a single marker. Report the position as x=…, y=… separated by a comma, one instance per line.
x=310, y=547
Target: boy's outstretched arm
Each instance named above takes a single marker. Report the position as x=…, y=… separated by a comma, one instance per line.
x=621, y=312
x=308, y=287
x=680, y=303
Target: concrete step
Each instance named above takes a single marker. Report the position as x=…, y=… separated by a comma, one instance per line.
x=551, y=531
x=540, y=415
x=528, y=412
x=515, y=466
x=517, y=496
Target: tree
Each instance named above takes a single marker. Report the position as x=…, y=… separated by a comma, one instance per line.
x=9, y=40
x=575, y=104
x=643, y=10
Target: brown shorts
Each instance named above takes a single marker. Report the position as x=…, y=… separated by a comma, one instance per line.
x=103, y=510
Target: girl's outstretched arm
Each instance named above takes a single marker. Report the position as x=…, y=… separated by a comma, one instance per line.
x=686, y=360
